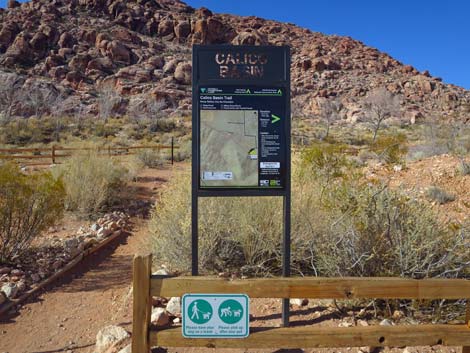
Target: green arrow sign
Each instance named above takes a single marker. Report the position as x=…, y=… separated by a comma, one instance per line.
x=275, y=118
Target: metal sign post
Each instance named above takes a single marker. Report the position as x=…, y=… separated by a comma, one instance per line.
x=241, y=131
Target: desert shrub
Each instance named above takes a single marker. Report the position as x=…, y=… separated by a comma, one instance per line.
x=29, y=204
x=464, y=167
x=151, y=158
x=435, y=193
x=341, y=226
x=390, y=149
x=91, y=182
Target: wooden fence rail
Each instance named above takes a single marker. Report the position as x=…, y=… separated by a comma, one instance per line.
x=53, y=155
x=145, y=286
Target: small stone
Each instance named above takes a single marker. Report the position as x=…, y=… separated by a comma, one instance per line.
x=10, y=290
x=176, y=320
x=362, y=323
x=4, y=270
x=159, y=317
x=174, y=306
x=299, y=301
x=398, y=314
x=161, y=272
x=95, y=227
x=386, y=322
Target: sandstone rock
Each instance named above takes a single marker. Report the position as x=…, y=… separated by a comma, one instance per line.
x=126, y=349
x=119, y=52
x=250, y=38
x=182, y=29
x=159, y=317
x=7, y=35
x=183, y=73
x=170, y=66
x=386, y=322
x=161, y=272
x=165, y=28
x=174, y=306
x=299, y=301
x=66, y=40
x=79, y=62
x=3, y=298
x=4, y=270
x=13, y=4
x=10, y=290
x=108, y=337
x=101, y=64
x=103, y=232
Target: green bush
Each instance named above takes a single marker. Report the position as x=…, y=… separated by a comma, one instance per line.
x=151, y=158
x=390, y=149
x=29, y=204
x=435, y=193
x=92, y=182
x=464, y=167
x=341, y=226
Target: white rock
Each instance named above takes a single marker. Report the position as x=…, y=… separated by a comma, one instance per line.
x=386, y=322
x=103, y=232
x=10, y=290
x=174, y=306
x=95, y=227
x=159, y=317
x=161, y=272
x=299, y=302
x=109, y=336
x=126, y=349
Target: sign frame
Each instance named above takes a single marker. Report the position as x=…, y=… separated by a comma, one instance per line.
x=204, y=296
x=282, y=80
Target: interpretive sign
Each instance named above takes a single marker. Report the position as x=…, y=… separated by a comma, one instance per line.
x=215, y=315
x=241, y=117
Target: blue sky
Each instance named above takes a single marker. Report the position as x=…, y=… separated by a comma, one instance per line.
x=428, y=34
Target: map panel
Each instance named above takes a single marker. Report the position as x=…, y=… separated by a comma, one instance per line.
x=229, y=148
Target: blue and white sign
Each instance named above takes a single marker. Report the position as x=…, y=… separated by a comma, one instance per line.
x=215, y=315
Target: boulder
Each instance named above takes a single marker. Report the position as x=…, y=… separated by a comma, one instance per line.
x=10, y=290
x=79, y=62
x=170, y=66
x=119, y=52
x=250, y=38
x=183, y=73
x=13, y=4
x=7, y=35
x=183, y=29
x=174, y=306
x=165, y=28
x=159, y=317
x=101, y=64
x=66, y=40
x=108, y=337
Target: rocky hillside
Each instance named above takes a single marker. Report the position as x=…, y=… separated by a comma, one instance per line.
x=86, y=50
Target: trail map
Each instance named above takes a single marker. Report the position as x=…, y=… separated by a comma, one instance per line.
x=229, y=148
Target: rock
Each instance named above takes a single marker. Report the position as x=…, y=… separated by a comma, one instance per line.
x=161, y=272
x=176, y=320
x=104, y=232
x=35, y=278
x=66, y=40
x=71, y=244
x=126, y=349
x=10, y=290
x=182, y=29
x=170, y=66
x=95, y=227
x=79, y=62
x=183, y=73
x=250, y=38
x=3, y=297
x=174, y=306
x=386, y=322
x=119, y=52
x=298, y=302
x=4, y=270
x=108, y=337
x=165, y=28
x=13, y=4
x=159, y=317
x=398, y=314
x=101, y=64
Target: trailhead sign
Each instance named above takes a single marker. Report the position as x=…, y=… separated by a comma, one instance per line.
x=241, y=99
x=215, y=315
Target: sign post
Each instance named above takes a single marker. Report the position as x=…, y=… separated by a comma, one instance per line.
x=241, y=131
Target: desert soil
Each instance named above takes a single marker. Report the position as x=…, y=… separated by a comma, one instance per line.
x=67, y=316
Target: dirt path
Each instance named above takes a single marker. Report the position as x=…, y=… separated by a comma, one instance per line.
x=68, y=315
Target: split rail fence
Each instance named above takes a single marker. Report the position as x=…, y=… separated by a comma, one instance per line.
x=52, y=155
x=146, y=285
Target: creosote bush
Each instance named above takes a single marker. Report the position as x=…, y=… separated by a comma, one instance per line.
x=91, y=182
x=341, y=226
x=151, y=158
x=29, y=204
x=435, y=193
x=390, y=149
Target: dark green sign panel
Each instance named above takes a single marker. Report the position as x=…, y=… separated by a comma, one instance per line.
x=241, y=119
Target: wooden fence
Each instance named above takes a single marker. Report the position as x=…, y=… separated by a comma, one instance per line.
x=145, y=286
x=52, y=155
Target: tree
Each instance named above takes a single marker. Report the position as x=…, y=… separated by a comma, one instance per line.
x=329, y=113
x=379, y=105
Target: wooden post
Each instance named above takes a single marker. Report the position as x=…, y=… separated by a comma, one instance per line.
x=466, y=349
x=142, y=304
x=53, y=154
